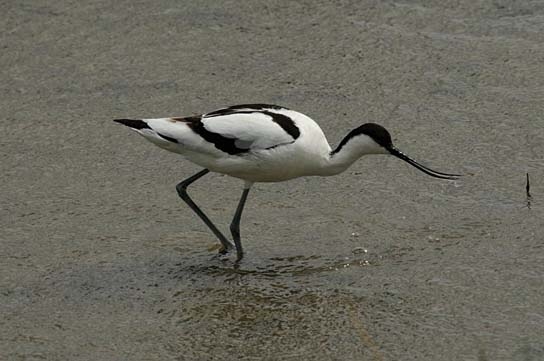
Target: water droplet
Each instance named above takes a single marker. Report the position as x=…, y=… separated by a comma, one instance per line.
x=359, y=250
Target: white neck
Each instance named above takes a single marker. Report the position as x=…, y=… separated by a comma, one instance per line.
x=350, y=151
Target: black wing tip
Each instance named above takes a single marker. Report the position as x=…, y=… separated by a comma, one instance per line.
x=133, y=123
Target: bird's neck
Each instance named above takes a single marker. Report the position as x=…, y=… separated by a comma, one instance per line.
x=346, y=153
x=338, y=162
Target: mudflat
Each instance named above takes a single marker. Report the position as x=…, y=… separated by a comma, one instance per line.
x=100, y=260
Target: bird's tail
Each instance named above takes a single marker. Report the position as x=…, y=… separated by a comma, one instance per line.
x=137, y=124
x=164, y=138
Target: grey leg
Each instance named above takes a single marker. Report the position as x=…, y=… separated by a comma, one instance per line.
x=235, y=225
x=182, y=191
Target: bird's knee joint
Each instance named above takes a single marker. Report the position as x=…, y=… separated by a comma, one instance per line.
x=182, y=190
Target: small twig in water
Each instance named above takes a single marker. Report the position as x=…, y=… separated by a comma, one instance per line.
x=527, y=190
x=527, y=187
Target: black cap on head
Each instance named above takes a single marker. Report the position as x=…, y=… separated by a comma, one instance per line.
x=375, y=131
x=378, y=133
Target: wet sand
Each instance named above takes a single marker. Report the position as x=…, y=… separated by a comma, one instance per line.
x=100, y=260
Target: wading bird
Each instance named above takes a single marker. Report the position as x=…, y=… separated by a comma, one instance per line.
x=262, y=143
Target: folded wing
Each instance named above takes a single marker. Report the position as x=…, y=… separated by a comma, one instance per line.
x=233, y=131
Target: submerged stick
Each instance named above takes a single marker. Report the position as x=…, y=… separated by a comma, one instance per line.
x=528, y=192
x=527, y=187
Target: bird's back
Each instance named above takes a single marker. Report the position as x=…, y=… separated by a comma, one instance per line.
x=255, y=142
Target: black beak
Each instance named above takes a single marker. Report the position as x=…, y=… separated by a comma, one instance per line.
x=397, y=153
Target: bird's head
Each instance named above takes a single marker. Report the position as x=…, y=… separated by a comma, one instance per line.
x=371, y=138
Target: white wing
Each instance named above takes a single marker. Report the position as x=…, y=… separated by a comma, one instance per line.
x=251, y=130
x=237, y=130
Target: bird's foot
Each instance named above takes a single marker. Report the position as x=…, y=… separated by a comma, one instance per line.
x=222, y=251
x=239, y=256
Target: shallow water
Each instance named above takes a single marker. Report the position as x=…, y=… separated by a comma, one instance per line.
x=101, y=260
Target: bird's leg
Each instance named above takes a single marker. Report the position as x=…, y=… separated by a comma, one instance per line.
x=182, y=191
x=235, y=225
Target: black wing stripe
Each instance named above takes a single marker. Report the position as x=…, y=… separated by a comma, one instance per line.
x=224, y=144
x=234, y=108
x=228, y=145
x=170, y=139
x=287, y=124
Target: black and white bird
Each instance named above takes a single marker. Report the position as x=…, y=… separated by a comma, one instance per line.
x=262, y=143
